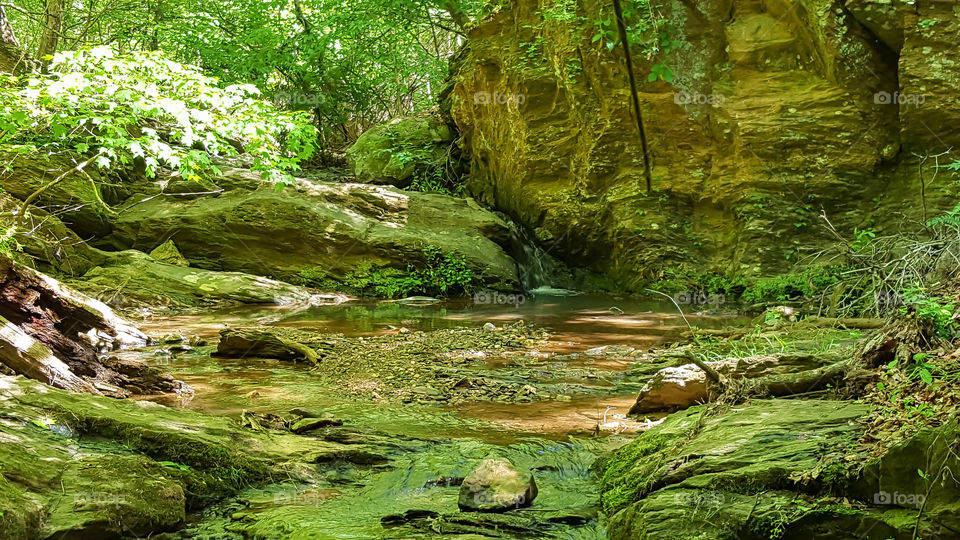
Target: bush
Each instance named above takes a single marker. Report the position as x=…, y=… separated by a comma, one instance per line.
x=115, y=109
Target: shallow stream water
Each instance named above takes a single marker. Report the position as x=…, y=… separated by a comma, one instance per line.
x=558, y=439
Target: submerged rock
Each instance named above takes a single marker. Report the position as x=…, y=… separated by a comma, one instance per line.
x=496, y=486
x=248, y=342
x=309, y=424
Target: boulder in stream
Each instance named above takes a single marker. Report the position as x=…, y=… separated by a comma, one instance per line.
x=496, y=486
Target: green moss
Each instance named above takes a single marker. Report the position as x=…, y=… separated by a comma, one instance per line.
x=402, y=151
x=438, y=274
x=623, y=481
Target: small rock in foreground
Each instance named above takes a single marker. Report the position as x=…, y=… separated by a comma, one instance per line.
x=496, y=486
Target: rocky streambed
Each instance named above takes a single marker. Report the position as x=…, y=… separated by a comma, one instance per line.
x=408, y=420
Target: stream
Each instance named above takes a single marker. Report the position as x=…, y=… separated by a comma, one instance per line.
x=430, y=447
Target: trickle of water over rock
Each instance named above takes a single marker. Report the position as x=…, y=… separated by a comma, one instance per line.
x=537, y=268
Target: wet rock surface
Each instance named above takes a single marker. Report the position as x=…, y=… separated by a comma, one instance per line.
x=496, y=486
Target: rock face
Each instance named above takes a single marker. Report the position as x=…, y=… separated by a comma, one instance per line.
x=496, y=486
x=680, y=387
x=318, y=230
x=776, y=110
x=396, y=152
x=762, y=467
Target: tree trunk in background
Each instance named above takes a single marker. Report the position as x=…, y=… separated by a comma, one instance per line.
x=6, y=31
x=12, y=59
x=51, y=29
x=456, y=13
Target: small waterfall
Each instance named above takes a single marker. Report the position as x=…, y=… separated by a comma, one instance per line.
x=540, y=272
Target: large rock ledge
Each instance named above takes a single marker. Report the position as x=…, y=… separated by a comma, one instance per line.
x=317, y=229
x=82, y=466
x=776, y=467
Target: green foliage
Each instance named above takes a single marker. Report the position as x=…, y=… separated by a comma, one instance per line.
x=439, y=274
x=115, y=109
x=8, y=242
x=931, y=312
x=950, y=219
x=807, y=283
x=862, y=239
x=647, y=32
x=349, y=64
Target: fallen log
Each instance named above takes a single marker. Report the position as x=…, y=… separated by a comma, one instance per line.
x=56, y=335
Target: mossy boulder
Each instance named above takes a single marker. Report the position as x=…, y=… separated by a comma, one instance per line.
x=131, y=279
x=496, y=486
x=776, y=469
x=395, y=152
x=44, y=241
x=321, y=230
x=698, y=475
x=82, y=198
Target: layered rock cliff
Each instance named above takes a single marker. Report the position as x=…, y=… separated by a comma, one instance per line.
x=777, y=113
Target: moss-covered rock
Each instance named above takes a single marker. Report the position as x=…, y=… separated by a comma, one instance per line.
x=321, y=230
x=43, y=241
x=776, y=111
x=396, y=152
x=82, y=466
x=697, y=475
x=132, y=279
x=82, y=198
x=167, y=252
x=772, y=469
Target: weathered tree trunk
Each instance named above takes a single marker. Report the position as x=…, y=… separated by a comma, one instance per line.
x=456, y=13
x=12, y=58
x=53, y=26
x=56, y=335
x=6, y=30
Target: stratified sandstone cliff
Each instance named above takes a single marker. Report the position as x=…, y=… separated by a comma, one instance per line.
x=777, y=112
